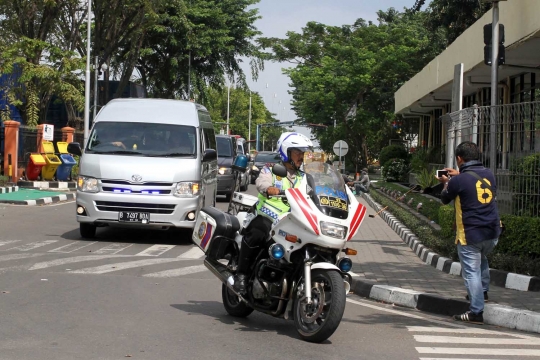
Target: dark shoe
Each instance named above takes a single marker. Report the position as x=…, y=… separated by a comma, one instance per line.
x=486, y=299
x=240, y=283
x=470, y=317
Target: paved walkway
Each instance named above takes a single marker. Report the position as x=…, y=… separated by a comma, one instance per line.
x=384, y=258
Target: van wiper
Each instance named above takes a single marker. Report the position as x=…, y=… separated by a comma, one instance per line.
x=169, y=154
x=117, y=152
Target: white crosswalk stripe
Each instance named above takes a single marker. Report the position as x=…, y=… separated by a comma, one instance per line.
x=193, y=253
x=72, y=247
x=103, y=269
x=114, y=248
x=72, y=260
x=7, y=242
x=33, y=245
x=177, y=272
x=155, y=250
x=474, y=341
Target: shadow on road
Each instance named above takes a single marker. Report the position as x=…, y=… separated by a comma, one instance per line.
x=256, y=322
x=137, y=236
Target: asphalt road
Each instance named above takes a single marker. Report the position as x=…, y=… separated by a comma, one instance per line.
x=146, y=295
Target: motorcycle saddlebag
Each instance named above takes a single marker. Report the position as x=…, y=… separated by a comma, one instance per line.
x=212, y=223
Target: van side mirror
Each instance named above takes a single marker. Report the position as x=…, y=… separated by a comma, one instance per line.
x=209, y=155
x=279, y=170
x=74, y=148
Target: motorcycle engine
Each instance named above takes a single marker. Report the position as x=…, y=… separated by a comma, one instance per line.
x=267, y=282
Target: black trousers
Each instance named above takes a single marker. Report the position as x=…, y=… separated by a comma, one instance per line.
x=257, y=231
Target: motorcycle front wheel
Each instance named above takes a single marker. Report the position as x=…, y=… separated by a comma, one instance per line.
x=317, y=321
x=233, y=305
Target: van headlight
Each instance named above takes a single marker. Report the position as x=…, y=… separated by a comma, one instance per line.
x=224, y=171
x=87, y=184
x=187, y=189
x=333, y=230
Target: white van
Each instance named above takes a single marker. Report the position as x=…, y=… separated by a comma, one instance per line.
x=147, y=163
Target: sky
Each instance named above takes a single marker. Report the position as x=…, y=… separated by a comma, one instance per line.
x=280, y=16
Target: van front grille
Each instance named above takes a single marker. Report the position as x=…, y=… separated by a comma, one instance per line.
x=134, y=207
x=123, y=182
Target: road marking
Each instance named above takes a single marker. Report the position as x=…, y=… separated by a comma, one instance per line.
x=478, y=351
x=466, y=330
x=18, y=256
x=193, y=253
x=177, y=272
x=33, y=245
x=113, y=248
x=58, y=262
x=74, y=246
x=121, y=266
x=155, y=250
x=6, y=242
x=455, y=359
x=474, y=340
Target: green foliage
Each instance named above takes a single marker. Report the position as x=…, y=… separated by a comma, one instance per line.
x=5, y=113
x=426, y=179
x=348, y=74
x=430, y=206
x=392, y=152
x=75, y=168
x=521, y=237
x=526, y=185
x=3, y=180
x=422, y=157
x=395, y=170
x=447, y=219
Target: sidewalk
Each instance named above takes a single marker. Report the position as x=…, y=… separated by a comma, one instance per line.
x=34, y=197
x=388, y=270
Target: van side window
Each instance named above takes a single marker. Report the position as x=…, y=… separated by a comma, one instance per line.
x=207, y=132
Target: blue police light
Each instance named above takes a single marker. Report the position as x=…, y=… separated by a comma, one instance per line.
x=240, y=163
x=344, y=264
x=276, y=251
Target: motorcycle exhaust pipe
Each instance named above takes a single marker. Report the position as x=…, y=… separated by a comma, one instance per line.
x=347, y=287
x=220, y=271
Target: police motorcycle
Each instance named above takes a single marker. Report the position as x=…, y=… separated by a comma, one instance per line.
x=301, y=273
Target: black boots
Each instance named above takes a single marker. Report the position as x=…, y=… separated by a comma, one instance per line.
x=245, y=258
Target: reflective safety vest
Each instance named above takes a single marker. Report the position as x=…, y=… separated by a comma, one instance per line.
x=272, y=208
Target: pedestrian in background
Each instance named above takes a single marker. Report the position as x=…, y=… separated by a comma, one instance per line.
x=473, y=190
x=362, y=184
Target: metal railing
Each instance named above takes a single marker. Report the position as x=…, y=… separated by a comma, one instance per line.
x=517, y=160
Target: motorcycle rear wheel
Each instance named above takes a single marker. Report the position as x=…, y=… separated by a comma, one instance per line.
x=233, y=305
x=313, y=323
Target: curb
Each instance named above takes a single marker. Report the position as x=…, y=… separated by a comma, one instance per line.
x=42, y=201
x=47, y=184
x=498, y=277
x=9, y=189
x=498, y=315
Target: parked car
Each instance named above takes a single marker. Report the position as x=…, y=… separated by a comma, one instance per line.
x=148, y=163
x=241, y=148
x=262, y=158
x=226, y=153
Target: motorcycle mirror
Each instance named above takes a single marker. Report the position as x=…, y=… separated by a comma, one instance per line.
x=279, y=170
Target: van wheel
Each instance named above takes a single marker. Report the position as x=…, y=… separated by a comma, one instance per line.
x=88, y=231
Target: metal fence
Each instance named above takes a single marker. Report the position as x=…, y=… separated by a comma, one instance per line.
x=517, y=160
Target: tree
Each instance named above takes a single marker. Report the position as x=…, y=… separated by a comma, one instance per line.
x=349, y=75
x=43, y=67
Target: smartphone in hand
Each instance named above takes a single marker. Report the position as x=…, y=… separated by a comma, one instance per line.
x=440, y=173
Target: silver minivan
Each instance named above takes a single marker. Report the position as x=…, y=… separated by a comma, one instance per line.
x=148, y=163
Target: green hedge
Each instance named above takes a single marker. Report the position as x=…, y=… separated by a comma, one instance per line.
x=446, y=221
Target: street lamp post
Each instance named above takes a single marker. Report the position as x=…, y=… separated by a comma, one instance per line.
x=249, y=124
x=228, y=101
x=87, y=77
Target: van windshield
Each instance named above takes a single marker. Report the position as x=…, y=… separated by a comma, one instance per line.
x=142, y=139
x=224, y=148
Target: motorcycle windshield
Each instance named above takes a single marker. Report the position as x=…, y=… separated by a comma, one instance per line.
x=327, y=189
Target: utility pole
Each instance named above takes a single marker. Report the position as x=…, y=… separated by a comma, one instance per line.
x=228, y=101
x=249, y=124
x=87, y=76
x=494, y=87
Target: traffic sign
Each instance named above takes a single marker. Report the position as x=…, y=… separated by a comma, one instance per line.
x=341, y=148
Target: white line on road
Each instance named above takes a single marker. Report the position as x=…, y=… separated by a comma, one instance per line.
x=478, y=351
x=113, y=248
x=193, y=253
x=474, y=340
x=6, y=242
x=467, y=330
x=18, y=256
x=33, y=245
x=74, y=246
x=177, y=272
x=58, y=262
x=456, y=359
x=155, y=250
x=121, y=266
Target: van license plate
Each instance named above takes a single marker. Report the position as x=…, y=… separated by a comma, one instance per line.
x=134, y=217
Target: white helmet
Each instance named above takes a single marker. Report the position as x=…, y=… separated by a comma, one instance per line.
x=292, y=140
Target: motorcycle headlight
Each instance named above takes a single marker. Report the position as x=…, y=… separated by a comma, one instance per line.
x=333, y=230
x=187, y=189
x=87, y=184
x=224, y=171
